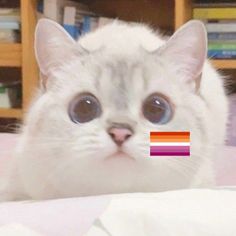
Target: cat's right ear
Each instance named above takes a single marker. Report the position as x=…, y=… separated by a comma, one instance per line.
x=186, y=51
x=52, y=45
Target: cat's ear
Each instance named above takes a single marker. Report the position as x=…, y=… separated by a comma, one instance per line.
x=52, y=45
x=186, y=50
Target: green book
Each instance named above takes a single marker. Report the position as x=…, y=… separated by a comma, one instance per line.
x=222, y=45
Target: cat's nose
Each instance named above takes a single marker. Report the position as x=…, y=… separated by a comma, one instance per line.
x=120, y=134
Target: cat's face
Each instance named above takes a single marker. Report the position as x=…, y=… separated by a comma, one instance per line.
x=89, y=131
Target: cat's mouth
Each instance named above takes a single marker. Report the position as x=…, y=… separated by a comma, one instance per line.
x=120, y=154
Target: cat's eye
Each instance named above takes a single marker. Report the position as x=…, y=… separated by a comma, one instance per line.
x=157, y=109
x=84, y=108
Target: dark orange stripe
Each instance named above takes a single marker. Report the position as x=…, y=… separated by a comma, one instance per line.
x=169, y=133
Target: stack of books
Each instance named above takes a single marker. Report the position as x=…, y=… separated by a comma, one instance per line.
x=74, y=16
x=220, y=20
x=9, y=25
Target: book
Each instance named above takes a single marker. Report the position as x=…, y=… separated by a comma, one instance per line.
x=222, y=36
x=224, y=45
x=10, y=15
x=10, y=25
x=221, y=27
x=214, y=13
x=54, y=9
x=10, y=18
x=222, y=54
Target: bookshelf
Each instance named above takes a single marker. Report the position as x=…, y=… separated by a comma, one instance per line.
x=22, y=55
x=11, y=113
x=10, y=54
x=183, y=13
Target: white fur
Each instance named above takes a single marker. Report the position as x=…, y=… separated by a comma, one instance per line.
x=58, y=158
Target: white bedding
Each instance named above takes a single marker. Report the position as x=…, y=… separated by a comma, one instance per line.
x=185, y=212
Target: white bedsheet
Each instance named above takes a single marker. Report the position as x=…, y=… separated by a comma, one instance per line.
x=197, y=212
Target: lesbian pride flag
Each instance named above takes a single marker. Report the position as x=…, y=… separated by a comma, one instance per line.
x=169, y=143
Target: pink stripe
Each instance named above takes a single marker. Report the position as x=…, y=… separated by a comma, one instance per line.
x=170, y=151
x=170, y=148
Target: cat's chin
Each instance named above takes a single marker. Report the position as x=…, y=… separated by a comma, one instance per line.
x=120, y=155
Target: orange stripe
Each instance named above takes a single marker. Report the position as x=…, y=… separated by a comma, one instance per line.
x=169, y=136
x=170, y=139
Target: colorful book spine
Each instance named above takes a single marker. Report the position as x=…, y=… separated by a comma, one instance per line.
x=214, y=13
x=222, y=36
x=10, y=25
x=222, y=45
x=10, y=18
x=221, y=27
x=222, y=54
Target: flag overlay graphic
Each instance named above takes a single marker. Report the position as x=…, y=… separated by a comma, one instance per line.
x=170, y=143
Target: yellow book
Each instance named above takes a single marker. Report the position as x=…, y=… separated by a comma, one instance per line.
x=214, y=13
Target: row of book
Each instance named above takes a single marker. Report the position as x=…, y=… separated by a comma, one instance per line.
x=220, y=21
x=9, y=25
x=75, y=17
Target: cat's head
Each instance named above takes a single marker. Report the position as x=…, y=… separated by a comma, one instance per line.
x=101, y=96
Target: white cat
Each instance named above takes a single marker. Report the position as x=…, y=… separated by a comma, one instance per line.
x=87, y=132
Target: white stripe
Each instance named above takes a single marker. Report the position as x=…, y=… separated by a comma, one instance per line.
x=170, y=143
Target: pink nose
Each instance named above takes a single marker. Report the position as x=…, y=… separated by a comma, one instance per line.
x=120, y=135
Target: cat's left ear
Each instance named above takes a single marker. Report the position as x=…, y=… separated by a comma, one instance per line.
x=52, y=45
x=186, y=50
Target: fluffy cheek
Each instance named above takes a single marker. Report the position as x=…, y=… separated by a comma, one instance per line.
x=93, y=145
x=66, y=163
x=138, y=146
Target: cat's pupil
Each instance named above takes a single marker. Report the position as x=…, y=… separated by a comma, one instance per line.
x=84, y=108
x=156, y=109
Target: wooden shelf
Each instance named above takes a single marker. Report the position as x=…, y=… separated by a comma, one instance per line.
x=183, y=12
x=10, y=113
x=10, y=54
x=224, y=64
